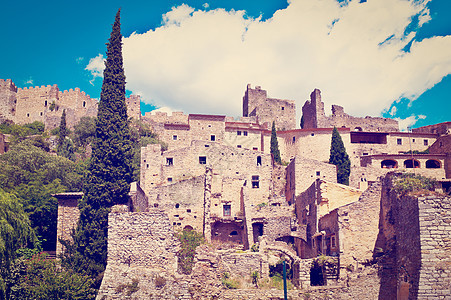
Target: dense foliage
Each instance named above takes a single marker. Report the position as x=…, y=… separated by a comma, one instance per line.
x=15, y=232
x=302, y=122
x=65, y=145
x=408, y=182
x=41, y=278
x=340, y=158
x=108, y=178
x=275, y=145
x=189, y=240
x=33, y=175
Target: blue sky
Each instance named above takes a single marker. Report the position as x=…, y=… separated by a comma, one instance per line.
x=377, y=57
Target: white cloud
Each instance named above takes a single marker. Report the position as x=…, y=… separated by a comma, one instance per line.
x=405, y=124
x=96, y=66
x=393, y=111
x=80, y=59
x=201, y=61
x=29, y=81
x=164, y=109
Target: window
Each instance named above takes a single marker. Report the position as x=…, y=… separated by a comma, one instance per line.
x=203, y=160
x=259, y=160
x=432, y=164
x=318, y=173
x=169, y=161
x=239, y=146
x=169, y=179
x=413, y=140
x=174, y=137
x=213, y=138
x=282, y=108
x=188, y=210
x=399, y=141
x=147, y=166
x=255, y=182
x=245, y=133
x=28, y=115
x=312, y=134
x=294, y=139
x=238, y=132
x=45, y=103
x=426, y=142
x=41, y=113
x=177, y=205
x=256, y=149
x=333, y=243
x=227, y=209
x=84, y=103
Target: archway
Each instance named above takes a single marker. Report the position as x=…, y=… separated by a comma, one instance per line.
x=432, y=164
x=411, y=163
x=389, y=164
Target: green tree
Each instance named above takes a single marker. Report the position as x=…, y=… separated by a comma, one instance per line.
x=84, y=131
x=65, y=145
x=41, y=278
x=15, y=232
x=108, y=178
x=340, y=158
x=302, y=122
x=62, y=133
x=275, y=145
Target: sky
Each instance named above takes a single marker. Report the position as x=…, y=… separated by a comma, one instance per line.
x=389, y=58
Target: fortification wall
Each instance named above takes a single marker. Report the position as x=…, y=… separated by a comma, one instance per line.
x=440, y=129
x=314, y=117
x=133, y=106
x=68, y=215
x=7, y=100
x=268, y=110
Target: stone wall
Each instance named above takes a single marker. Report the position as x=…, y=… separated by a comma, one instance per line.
x=414, y=245
x=268, y=110
x=441, y=128
x=314, y=117
x=68, y=215
x=443, y=146
x=3, y=144
x=8, y=99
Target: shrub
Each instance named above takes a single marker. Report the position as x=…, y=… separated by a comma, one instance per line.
x=160, y=282
x=189, y=240
x=408, y=182
x=228, y=282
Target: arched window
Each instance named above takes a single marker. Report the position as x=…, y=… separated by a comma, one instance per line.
x=358, y=129
x=411, y=163
x=432, y=164
x=188, y=228
x=389, y=164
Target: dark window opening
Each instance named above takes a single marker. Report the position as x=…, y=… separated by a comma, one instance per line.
x=283, y=108
x=188, y=210
x=28, y=115
x=227, y=210
x=188, y=228
x=41, y=113
x=426, y=142
x=255, y=148
x=238, y=132
x=174, y=137
x=234, y=233
x=245, y=133
x=45, y=103
x=147, y=166
x=177, y=205
x=255, y=182
x=413, y=140
x=411, y=163
x=399, y=141
x=239, y=146
x=432, y=164
x=169, y=161
x=318, y=173
x=294, y=139
x=213, y=138
x=84, y=103
x=312, y=134
x=389, y=164
x=169, y=179
x=259, y=160
x=202, y=160
x=257, y=229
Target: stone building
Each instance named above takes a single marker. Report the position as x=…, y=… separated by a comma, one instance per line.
x=46, y=104
x=314, y=117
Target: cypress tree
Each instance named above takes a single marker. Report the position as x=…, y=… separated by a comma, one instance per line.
x=62, y=131
x=275, y=145
x=108, y=178
x=340, y=158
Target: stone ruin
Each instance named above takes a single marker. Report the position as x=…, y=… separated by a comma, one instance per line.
x=217, y=177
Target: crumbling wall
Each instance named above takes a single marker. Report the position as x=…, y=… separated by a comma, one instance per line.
x=68, y=215
x=268, y=110
x=314, y=117
x=413, y=244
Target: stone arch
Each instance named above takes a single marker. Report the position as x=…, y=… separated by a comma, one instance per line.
x=389, y=164
x=358, y=129
x=188, y=228
x=411, y=163
x=433, y=164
